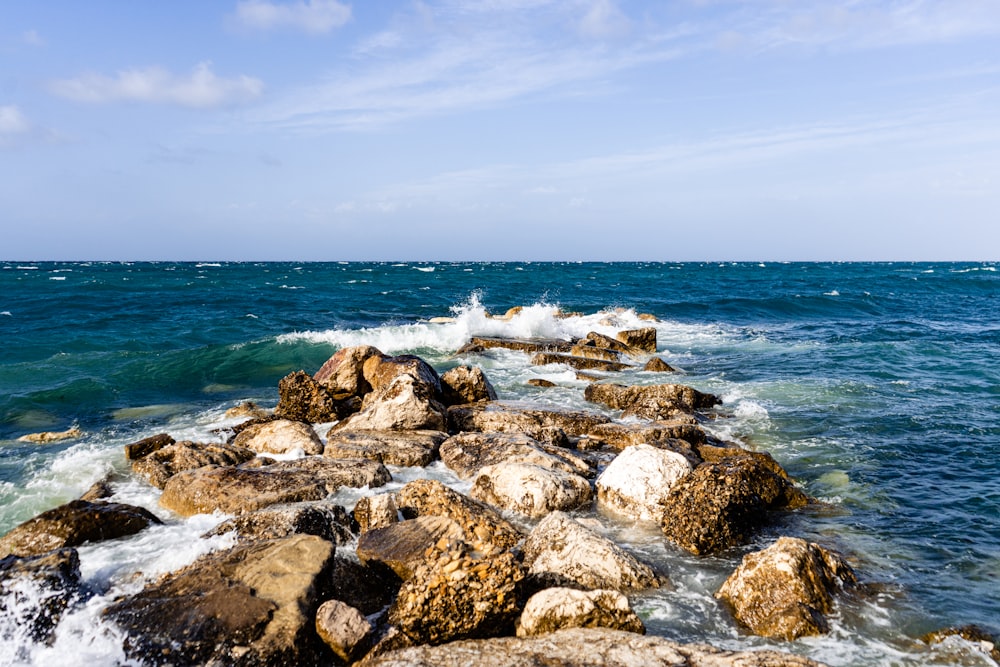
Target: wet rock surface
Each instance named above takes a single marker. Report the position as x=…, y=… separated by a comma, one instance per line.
x=466, y=384
x=558, y=608
x=326, y=520
x=165, y=461
x=35, y=591
x=401, y=546
x=637, y=483
x=467, y=453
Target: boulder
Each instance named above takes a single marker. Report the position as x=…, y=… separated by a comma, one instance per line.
x=715, y=453
x=247, y=410
x=163, y=463
x=399, y=448
x=980, y=639
x=343, y=373
x=303, y=399
x=326, y=520
x=465, y=384
x=35, y=591
x=530, y=489
x=147, y=446
x=659, y=401
x=591, y=351
x=557, y=608
x=643, y=339
x=73, y=524
x=594, y=339
x=658, y=365
x=720, y=505
x=561, y=552
x=637, y=482
x=376, y=511
x=477, y=344
x=681, y=436
x=403, y=404
x=281, y=436
x=483, y=527
x=579, y=363
x=99, y=490
x=344, y=629
x=381, y=371
x=540, y=424
x=581, y=647
x=457, y=595
x=786, y=590
x=245, y=489
x=541, y=382
x=401, y=546
x=467, y=453
x=254, y=604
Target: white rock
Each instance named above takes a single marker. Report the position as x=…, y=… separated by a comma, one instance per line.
x=530, y=489
x=637, y=482
x=281, y=436
x=557, y=608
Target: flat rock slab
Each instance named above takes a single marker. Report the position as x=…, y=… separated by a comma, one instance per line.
x=477, y=344
x=399, y=448
x=401, y=546
x=502, y=417
x=166, y=460
x=579, y=363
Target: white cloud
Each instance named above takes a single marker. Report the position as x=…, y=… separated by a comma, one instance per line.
x=314, y=17
x=604, y=19
x=12, y=122
x=201, y=89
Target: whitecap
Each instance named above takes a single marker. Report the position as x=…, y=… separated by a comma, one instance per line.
x=28, y=268
x=831, y=293
x=57, y=277
x=425, y=269
x=6, y=313
x=206, y=264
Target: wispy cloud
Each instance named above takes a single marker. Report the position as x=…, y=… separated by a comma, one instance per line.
x=201, y=89
x=314, y=17
x=12, y=122
x=16, y=129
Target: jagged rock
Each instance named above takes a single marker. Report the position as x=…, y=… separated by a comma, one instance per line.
x=147, y=446
x=557, y=608
x=659, y=401
x=720, y=505
x=73, y=524
x=403, y=404
x=681, y=436
x=344, y=629
x=980, y=639
x=456, y=595
x=46, y=437
x=376, y=511
x=483, y=527
x=786, y=590
x=603, y=342
x=530, y=489
x=303, y=399
x=477, y=344
x=638, y=481
x=254, y=604
x=343, y=373
x=161, y=464
x=539, y=424
x=465, y=384
x=658, y=365
x=541, y=382
x=639, y=339
x=281, y=436
x=247, y=409
x=400, y=448
x=326, y=520
x=381, y=371
x=401, y=546
x=579, y=363
x=99, y=490
x=467, y=453
x=35, y=591
x=591, y=351
x=245, y=489
x=711, y=453
x=581, y=647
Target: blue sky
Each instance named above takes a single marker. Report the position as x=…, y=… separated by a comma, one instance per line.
x=500, y=129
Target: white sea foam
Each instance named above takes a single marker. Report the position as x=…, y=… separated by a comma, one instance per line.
x=57, y=277
x=831, y=293
x=425, y=269
x=6, y=313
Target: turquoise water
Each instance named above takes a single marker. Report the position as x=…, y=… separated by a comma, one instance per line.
x=876, y=385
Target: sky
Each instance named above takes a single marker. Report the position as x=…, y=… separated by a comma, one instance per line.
x=673, y=130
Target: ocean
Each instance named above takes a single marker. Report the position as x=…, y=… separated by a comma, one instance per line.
x=876, y=385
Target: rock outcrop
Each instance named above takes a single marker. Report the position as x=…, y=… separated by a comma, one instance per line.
x=343, y=373
x=303, y=399
x=540, y=424
x=403, y=403
x=637, y=483
x=558, y=608
x=660, y=401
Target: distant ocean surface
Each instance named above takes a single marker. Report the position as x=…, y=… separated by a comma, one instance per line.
x=877, y=386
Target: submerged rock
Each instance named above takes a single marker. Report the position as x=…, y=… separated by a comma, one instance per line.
x=979, y=638
x=557, y=608
x=530, y=489
x=45, y=437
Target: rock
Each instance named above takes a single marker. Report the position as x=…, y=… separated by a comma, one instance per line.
x=581, y=647
x=603, y=342
x=720, y=505
x=579, y=363
x=381, y=371
x=786, y=590
x=73, y=524
x=281, y=436
x=326, y=520
x=530, y=489
x=376, y=511
x=538, y=423
x=303, y=399
x=591, y=351
x=456, y=595
x=246, y=409
x=344, y=629
x=399, y=448
x=540, y=382
x=100, y=490
x=658, y=365
x=660, y=401
x=147, y=446
x=401, y=546
x=368, y=589
x=35, y=591
x=245, y=489
x=465, y=384
x=165, y=462
x=648, y=317
x=679, y=435
x=712, y=453
x=981, y=640
x=530, y=345
x=638, y=481
x=557, y=608
x=467, y=453
x=562, y=552
x=484, y=528
x=343, y=373
x=46, y=437
x=254, y=604
x=639, y=339
x=404, y=404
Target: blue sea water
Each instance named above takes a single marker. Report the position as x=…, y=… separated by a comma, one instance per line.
x=877, y=386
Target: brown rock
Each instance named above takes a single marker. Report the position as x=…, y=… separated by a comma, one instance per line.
x=147, y=446
x=46, y=437
x=162, y=464
x=503, y=418
x=591, y=351
x=343, y=373
x=368, y=589
x=401, y=546
x=658, y=365
x=100, y=490
x=326, y=520
x=639, y=339
x=247, y=409
x=558, y=608
x=40, y=588
x=681, y=435
x=303, y=399
x=382, y=371
x=404, y=404
x=981, y=640
x=281, y=436
x=606, y=343
x=655, y=402
x=376, y=511
x=531, y=346
x=399, y=448
x=540, y=382
x=465, y=384
x=344, y=629
x=579, y=363
x=467, y=453
x=530, y=489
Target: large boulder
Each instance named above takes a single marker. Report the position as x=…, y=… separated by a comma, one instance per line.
x=254, y=604
x=35, y=591
x=404, y=403
x=467, y=453
x=326, y=520
x=638, y=481
x=377, y=511
x=343, y=373
x=302, y=399
x=530, y=489
x=483, y=526
x=659, y=401
x=466, y=384
x=562, y=552
x=643, y=340
x=680, y=435
x=540, y=424
x=344, y=629
x=401, y=546
x=399, y=448
x=382, y=371
x=786, y=590
x=73, y=524
x=581, y=647
x=146, y=446
x=281, y=436
x=162, y=463
x=720, y=505
x=557, y=608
